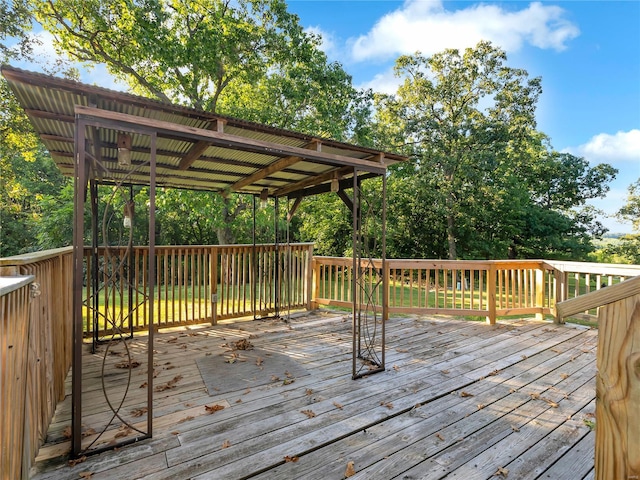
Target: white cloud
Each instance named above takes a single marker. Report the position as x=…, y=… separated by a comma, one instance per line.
x=605, y=147
x=384, y=82
x=428, y=27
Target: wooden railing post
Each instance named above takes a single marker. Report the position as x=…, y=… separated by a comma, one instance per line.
x=617, y=451
x=560, y=278
x=315, y=284
x=540, y=291
x=491, y=294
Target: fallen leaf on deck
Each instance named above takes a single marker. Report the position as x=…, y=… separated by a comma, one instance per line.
x=213, y=408
x=440, y=436
x=480, y=406
x=465, y=394
x=243, y=344
x=66, y=433
x=185, y=419
x=275, y=378
x=169, y=385
x=396, y=368
x=308, y=413
x=128, y=364
x=494, y=373
x=259, y=361
x=226, y=444
x=239, y=400
x=138, y=412
x=123, y=431
x=350, y=471
x=288, y=381
x=87, y=432
x=288, y=375
x=308, y=391
x=85, y=474
x=515, y=429
x=389, y=405
x=444, y=371
x=143, y=385
x=175, y=432
x=564, y=376
x=289, y=459
x=75, y=461
x=524, y=357
x=248, y=390
x=172, y=339
x=550, y=402
x=534, y=396
x=502, y=472
x=337, y=405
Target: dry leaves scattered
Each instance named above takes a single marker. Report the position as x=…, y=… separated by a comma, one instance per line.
x=75, y=461
x=502, y=472
x=138, y=412
x=350, y=471
x=396, y=368
x=144, y=385
x=259, y=361
x=85, y=474
x=465, y=394
x=389, y=405
x=123, y=431
x=169, y=385
x=213, y=408
x=242, y=344
x=185, y=419
x=337, y=405
x=87, y=432
x=564, y=376
x=128, y=364
x=226, y=444
x=440, y=437
x=308, y=392
x=289, y=459
x=172, y=339
x=444, y=371
x=514, y=428
x=308, y=413
x=494, y=373
x=66, y=433
x=480, y=406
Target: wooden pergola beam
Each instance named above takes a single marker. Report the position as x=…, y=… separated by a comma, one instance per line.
x=200, y=147
x=312, y=181
x=276, y=166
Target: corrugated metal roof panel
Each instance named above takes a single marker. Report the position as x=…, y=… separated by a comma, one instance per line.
x=258, y=155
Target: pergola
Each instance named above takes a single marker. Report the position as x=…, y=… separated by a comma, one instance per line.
x=100, y=136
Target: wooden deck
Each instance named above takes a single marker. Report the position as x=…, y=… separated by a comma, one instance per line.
x=459, y=400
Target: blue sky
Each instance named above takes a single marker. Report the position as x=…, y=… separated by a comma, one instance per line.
x=587, y=53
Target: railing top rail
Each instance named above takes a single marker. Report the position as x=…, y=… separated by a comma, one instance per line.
x=599, y=298
x=595, y=268
x=33, y=257
x=10, y=284
x=235, y=245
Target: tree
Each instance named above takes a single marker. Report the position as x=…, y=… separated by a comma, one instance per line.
x=628, y=246
x=250, y=59
x=483, y=176
x=465, y=117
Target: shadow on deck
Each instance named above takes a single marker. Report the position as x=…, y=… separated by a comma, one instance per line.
x=459, y=399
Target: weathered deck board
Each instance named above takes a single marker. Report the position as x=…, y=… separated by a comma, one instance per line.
x=459, y=399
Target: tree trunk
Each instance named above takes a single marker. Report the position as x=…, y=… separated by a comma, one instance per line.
x=451, y=236
x=225, y=232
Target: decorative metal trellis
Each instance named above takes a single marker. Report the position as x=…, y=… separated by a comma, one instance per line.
x=111, y=304
x=370, y=285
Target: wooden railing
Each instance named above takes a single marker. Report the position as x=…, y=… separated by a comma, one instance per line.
x=449, y=287
x=472, y=288
x=38, y=348
x=196, y=284
x=617, y=448
x=574, y=279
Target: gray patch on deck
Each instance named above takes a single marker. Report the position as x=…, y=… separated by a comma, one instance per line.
x=222, y=376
